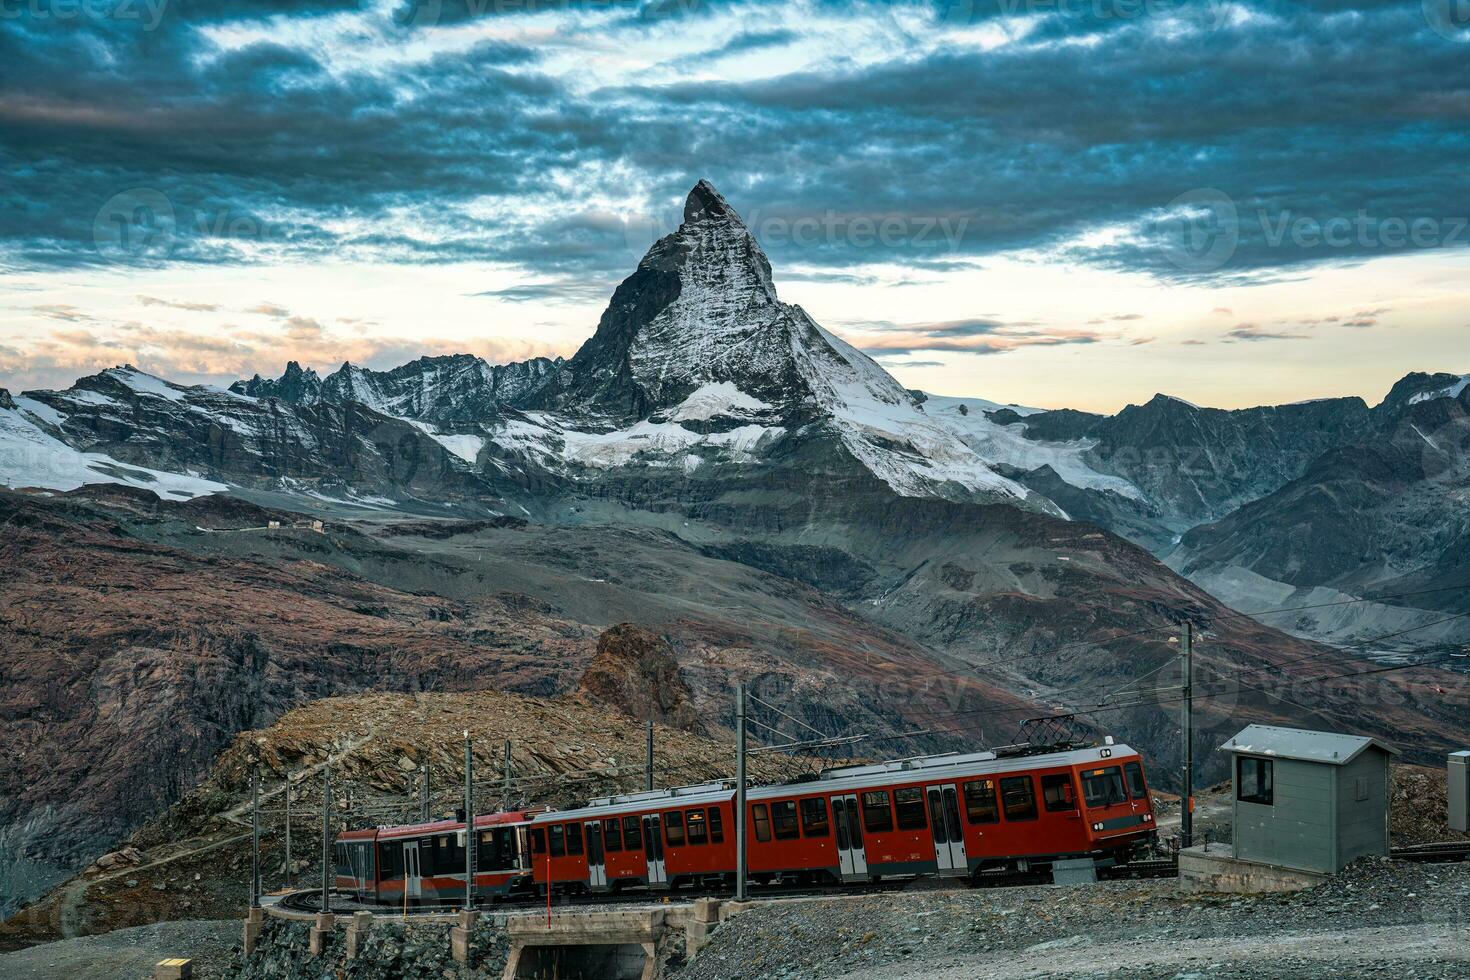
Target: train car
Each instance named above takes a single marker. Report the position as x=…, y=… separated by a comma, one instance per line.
x=424, y=863
x=948, y=815
x=954, y=815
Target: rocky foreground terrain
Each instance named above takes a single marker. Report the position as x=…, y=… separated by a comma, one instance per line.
x=1378, y=917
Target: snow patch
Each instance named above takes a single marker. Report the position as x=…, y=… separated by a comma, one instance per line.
x=714, y=399
x=464, y=445
x=1453, y=391
x=1007, y=445
x=29, y=457
x=146, y=384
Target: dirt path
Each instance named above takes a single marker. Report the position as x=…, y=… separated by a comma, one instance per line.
x=1321, y=954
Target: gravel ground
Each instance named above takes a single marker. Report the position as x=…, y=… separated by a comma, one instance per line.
x=1379, y=917
x=128, y=954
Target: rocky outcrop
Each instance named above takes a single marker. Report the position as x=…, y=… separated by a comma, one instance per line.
x=635, y=672
x=5, y=399
x=448, y=389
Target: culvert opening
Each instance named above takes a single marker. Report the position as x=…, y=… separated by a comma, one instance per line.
x=620, y=961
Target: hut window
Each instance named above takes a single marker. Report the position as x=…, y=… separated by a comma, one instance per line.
x=1253, y=782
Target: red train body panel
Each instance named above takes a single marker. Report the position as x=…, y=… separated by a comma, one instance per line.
x=951, y=816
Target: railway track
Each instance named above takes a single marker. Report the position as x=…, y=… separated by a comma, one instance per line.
x=310, y=900
x=1445, y=851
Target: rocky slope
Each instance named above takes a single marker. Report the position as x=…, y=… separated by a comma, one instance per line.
x=1385, y=514
x=137, y=636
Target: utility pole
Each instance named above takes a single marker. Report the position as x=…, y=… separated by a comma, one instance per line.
x=255, y=832
x=424, y=793
x=469, y=822
x=1186, y=802
x=740, y=842
x=288, y=828
x=506, y=805
x=648, y=764
x=326, y=838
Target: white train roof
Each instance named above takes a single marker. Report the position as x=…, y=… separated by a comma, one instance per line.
x=846, y=779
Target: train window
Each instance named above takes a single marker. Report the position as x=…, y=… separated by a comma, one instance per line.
x=877, y=817
x=1253, y=781
x=574, y=838
x=443, y=854
x=674, y=828
x=814, y=818
x=1103, y=787
x=698, y=830
x=558, y=840
x=344, y=864
x=390, y=858
x=1018, y=796
x=632, y=834
x=613, y=839
x=538, y=841
x=909, y=804
x=1137, y=789
x=783, y=817
x=762, y=820
x=716, y=826
x=1056, y=793
x=497, y=849
x=980, y=804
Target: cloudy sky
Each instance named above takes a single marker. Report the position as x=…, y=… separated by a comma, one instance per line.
x=1052, y=202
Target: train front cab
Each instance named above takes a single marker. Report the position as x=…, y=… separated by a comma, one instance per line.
x=1119, y=811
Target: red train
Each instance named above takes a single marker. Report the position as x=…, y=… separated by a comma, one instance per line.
x=948, y=815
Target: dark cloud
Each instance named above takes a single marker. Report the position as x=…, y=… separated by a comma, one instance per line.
x=136, y=146
x=973, y=336
x=1251, y=332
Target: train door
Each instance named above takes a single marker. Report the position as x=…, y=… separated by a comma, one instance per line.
x=412, y=880
x=851, y=856
x=653, y=850
x=949, y=835
x=596, y=860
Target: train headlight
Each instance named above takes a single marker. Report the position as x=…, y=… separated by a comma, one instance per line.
x=1097, y=826
x=1148, y=818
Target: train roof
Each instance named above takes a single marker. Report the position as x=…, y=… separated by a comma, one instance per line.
x=930, y=768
